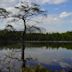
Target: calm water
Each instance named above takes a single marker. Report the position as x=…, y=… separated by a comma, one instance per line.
x=50, y=56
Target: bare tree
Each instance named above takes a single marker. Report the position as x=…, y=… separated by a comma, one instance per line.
x=25, y=12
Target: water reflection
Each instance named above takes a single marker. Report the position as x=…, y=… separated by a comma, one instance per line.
x=52, y=56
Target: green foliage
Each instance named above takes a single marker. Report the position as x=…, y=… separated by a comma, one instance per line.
x=12, y=36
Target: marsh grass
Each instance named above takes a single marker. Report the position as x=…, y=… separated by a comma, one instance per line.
x=37, y=68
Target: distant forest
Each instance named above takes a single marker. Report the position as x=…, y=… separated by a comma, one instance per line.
x=15, y=36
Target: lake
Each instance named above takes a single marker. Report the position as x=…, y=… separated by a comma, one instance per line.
x=53, y=56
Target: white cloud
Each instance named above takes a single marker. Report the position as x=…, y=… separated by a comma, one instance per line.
x=65, y=14
x=6, y=1
x=61, y=18
x=18, y=25
x=12, y=10
x=52, y=23
x=56, y=1
x=47, y=1
x=50, y=1
x=50, y=19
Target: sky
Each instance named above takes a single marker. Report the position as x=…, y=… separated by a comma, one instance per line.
x=58, y=19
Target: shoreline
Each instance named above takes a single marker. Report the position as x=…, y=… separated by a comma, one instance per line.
x=50, y=41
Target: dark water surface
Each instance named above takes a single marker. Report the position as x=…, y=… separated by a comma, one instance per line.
x=51, y=56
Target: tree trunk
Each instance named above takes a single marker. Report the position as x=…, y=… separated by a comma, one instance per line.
x=23, y=44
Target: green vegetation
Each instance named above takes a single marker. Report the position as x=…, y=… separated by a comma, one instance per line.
x=54, y=40
x=15, y=36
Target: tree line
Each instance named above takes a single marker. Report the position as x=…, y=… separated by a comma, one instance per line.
x=9, y=36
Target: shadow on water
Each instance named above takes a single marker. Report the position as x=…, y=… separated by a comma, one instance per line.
x=30, y=61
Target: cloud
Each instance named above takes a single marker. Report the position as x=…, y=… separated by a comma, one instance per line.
x=5, y=1
x=56, y=19
x=56, y=1
x=18, y=24
x=50, y=1
x=65, y=14
x=47, y=1
x=12, y=10
x=8, y=3
x=50, y=19
x=62, y=17
x=52, y=23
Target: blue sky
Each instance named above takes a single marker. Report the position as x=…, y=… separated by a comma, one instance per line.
x=59, y=18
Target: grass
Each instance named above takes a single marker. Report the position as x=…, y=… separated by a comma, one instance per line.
x=38, y=68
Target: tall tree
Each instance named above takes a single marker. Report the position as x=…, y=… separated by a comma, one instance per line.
x=25, y=12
